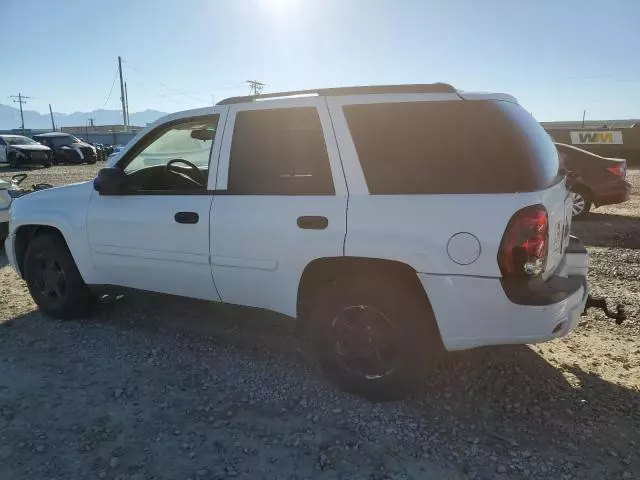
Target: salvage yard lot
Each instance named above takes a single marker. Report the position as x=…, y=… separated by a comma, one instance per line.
x=164, y=388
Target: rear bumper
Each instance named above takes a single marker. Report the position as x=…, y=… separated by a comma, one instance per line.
x=612, y=193
x=476, y=311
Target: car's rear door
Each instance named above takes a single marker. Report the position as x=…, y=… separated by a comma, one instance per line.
x=280, y=201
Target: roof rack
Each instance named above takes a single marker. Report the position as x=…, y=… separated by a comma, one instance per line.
x=415, y=88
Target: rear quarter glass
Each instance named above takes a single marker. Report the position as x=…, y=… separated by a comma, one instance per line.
x=451, y=147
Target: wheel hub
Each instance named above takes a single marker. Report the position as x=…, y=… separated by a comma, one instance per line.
x=366, y=341
x=49, y=278
x=578, y=203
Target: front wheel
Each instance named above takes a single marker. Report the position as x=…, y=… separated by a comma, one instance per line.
x=374, y=337
x=54, y=280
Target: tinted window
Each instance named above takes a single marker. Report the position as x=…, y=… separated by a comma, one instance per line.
x=451, y=147
x=279, y=152
x=62, y=140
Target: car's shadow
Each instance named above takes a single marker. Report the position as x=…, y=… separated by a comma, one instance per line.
x=608, y=230
x=507, y=399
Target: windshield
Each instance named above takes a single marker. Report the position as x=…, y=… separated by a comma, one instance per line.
x=19, y=141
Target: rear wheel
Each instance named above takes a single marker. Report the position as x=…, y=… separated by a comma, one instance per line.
x=581, y=203
x=374, y=338
x=54, y=280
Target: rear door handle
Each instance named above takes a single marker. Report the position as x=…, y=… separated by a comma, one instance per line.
x=313, y=222
x=187, y=217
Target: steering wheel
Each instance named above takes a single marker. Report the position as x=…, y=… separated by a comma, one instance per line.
x=198, y=177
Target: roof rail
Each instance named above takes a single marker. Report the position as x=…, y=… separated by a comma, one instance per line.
x=415, y=88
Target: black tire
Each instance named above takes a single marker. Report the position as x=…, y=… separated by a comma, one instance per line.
x=582, y=201
x=405, y=336
x=54, y=280
x=46, y=165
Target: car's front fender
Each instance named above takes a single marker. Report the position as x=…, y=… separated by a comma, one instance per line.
x=62, y=208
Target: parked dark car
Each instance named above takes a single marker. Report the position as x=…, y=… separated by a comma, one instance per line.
x=17, y=151
x=67, y=148
x=596, y=180
x=100, y=151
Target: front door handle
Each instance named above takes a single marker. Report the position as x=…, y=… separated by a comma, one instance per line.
x=187, y=217
x=313, y=222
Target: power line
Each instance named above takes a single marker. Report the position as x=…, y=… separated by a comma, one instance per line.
x=178, y=92
x=20, y=99
x=115, y=75
x=199, y=97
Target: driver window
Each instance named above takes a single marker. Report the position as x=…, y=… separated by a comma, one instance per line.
x=173, y=157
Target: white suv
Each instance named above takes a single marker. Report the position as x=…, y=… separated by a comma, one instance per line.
x=392, y=221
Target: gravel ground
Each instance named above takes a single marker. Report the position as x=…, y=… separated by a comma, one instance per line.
x=157, y=388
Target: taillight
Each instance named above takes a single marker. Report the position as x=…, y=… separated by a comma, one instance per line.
x=619, y=169
x=524, y=246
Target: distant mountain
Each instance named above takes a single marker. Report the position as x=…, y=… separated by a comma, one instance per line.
x=10, y=118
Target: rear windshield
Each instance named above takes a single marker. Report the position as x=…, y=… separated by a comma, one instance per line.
x=451, y=147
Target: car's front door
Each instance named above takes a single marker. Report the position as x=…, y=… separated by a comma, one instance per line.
x=155, y=236
x=280, y=201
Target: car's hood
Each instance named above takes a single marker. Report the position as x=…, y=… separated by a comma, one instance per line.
x=57, y=199
x=30, y=147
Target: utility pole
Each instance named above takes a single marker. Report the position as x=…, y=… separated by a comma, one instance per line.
x=53, y=124
x=122, y=97
x=584, y=113
x=20, y=100
x=255, y=87
x=126, y=102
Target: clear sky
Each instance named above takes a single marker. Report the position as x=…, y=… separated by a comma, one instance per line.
x=557, y=57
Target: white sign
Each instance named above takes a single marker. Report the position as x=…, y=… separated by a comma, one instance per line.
x=600, y=137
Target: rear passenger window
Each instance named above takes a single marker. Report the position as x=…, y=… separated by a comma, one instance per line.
x=451, y=147
x=279, y=152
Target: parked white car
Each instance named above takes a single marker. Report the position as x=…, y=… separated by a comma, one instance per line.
x=393, y=222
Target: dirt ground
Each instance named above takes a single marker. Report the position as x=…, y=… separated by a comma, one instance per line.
x=157, y=388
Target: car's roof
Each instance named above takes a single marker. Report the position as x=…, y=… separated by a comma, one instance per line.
x=53, y=134
x=359, y=90
x=13, y=136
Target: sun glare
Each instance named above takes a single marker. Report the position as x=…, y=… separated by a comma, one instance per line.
x=280, y=8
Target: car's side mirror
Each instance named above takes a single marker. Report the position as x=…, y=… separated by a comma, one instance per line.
x=110, y=181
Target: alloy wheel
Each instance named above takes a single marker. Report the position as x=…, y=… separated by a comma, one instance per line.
x=579, y=204
x=365, y=342
x=49, y=278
